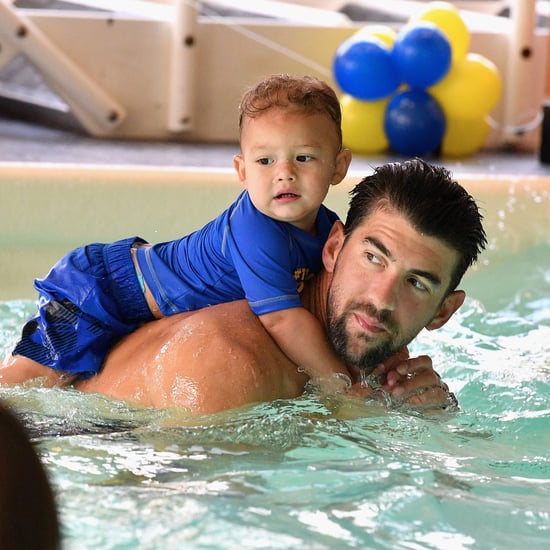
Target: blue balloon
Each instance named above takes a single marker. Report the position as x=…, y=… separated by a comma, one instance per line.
x=363, y=68
x=414, y=123
x=422, y=54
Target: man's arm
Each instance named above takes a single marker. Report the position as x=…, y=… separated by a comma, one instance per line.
x=300, y=335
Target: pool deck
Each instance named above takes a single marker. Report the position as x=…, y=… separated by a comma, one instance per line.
x=22, y=142
x=26, y=102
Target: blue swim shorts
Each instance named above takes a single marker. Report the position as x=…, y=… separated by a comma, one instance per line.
x=86, y=303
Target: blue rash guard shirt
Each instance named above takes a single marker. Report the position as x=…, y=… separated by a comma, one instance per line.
x=240, y=254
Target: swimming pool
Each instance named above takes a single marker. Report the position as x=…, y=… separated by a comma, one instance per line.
x=298, y=473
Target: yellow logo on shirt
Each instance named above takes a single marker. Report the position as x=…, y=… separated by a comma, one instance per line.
x=301, y=275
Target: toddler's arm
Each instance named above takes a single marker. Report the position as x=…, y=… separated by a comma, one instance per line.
x=300, y=335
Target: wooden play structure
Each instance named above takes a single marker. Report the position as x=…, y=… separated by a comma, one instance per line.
x=176, y=69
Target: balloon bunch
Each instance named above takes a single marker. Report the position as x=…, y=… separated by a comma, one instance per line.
x=417, y=91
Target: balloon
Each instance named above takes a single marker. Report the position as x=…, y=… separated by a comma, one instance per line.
x=382, y=32
x=447, y=18
x=414, y=123
x=471, y=88
x=363, y=68
x=464, y=136
x=363, y=125
x=422, y=54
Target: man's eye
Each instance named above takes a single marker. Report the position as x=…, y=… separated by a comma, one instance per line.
x=419, y=284
x=265, y=161
x=304, y=158
x=373, y=258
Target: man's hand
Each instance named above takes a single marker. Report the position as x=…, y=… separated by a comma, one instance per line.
x=402, y=380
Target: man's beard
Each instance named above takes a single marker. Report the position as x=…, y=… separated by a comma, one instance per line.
x=373, y=354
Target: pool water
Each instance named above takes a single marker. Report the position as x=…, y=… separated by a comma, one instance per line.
x=307, y=473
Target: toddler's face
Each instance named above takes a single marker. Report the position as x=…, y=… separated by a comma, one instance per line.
x=288, y=161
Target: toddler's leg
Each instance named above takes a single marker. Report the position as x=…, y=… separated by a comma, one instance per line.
x=17, y=369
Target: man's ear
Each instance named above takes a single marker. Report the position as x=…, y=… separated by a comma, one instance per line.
x=449, y=306
x=343, y=160
x=238, y=164
x=333, y=245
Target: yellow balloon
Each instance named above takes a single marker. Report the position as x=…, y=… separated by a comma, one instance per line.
x=470, y=89
x=464, y=136
x=382, y=32
x=363, y=125
x=447, y=18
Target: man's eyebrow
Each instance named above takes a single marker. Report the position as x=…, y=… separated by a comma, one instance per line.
x=434, y=279
x=378, y=244
x=428, y=275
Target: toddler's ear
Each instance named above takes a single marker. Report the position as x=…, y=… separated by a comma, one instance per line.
x=238, y=164
x=343, y=160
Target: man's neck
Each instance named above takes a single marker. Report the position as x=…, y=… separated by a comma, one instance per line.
x=314, y=296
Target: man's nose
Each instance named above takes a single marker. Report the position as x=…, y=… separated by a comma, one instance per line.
x=384, y=292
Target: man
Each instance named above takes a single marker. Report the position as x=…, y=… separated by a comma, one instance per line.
x=392, y=270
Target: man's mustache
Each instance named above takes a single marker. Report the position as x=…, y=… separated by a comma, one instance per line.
x=383, y=316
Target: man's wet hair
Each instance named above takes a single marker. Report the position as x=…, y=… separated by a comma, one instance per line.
x=433, y=202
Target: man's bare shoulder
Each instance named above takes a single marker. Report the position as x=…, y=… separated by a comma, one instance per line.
x=208, y=360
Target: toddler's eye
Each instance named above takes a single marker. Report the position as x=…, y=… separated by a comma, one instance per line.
x=265, y=161
x=304, y=158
